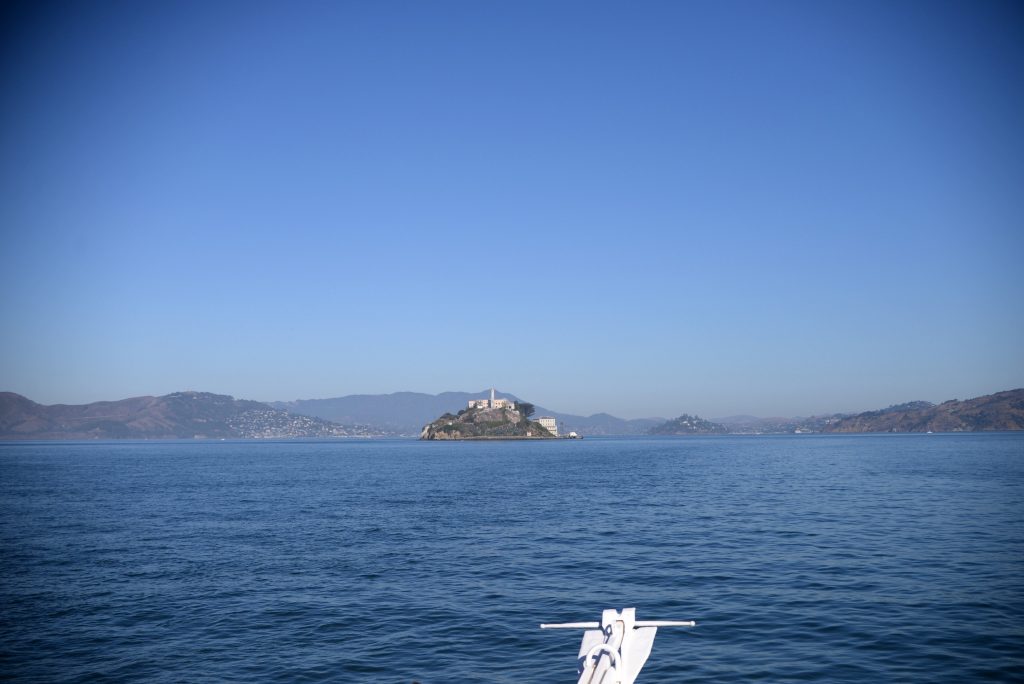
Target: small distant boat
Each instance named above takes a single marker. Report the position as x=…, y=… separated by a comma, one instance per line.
x=615, y=650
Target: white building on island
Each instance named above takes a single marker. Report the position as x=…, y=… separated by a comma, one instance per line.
x=491, y=403
x=550, y=423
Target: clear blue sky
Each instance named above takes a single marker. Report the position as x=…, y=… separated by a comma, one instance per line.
x=644, y=208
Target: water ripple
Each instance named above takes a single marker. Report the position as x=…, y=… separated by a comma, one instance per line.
x=804, y=559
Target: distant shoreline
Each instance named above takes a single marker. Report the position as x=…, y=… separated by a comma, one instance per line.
x=12, y=441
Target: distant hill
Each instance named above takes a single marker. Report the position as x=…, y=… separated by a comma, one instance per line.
x=408, y=412
x=738, y=420
x=178, y=415
x=751, y=425
x=1000, y=411
x=689, y=425
x=401, y=411
x=604, y=424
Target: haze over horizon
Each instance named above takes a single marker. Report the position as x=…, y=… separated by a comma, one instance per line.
x=647, y=209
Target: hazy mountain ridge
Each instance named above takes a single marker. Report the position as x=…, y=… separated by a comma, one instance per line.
x=408, y=412
x=751, y=425
x=173, y=416
x=999, y=411
x=202, y=414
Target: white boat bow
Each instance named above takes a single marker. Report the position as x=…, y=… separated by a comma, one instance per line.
x=614, y=650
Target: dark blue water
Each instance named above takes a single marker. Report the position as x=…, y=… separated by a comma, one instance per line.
x=804, y=558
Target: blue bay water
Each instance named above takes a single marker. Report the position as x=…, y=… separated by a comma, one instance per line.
x=802, y=558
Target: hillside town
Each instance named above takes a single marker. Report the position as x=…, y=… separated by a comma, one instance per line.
x=273, y=424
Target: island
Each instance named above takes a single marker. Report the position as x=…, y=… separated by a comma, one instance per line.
x=689, y=425
x=491, y=419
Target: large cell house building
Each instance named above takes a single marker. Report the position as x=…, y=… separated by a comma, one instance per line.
x=550, y=423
